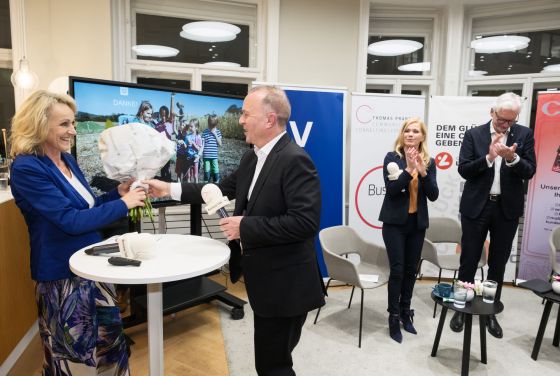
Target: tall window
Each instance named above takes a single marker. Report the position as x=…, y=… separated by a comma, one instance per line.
x=526, y=70
x=219, y=66
x=542, y=54
x=402, y=46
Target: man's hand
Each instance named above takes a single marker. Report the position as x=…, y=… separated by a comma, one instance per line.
x=494, y=145
x=230, y=227
x=158, y=188
x=508, y=153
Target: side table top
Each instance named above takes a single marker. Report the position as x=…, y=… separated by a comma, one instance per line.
x=176, y=257
x=542, y=289
x=474, y=307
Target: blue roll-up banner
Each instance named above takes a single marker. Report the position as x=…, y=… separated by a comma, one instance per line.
x=317, y=124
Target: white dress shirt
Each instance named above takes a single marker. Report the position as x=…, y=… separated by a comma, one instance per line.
x=262, y=153
x=495, y=189
x=175, y=188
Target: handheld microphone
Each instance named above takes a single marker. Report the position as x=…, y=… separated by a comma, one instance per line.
x=215, y=203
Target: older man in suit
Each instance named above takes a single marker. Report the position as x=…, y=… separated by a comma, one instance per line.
x=495, y=159
x=276, y=219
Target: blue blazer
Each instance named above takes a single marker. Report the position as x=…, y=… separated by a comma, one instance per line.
x=479, y=177
x=394, y=210
x=58, y=219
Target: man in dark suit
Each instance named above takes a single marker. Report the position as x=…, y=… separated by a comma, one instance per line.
x=276, y=220
x=495, y=159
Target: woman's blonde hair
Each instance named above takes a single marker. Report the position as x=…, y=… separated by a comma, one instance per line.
x=30, y=124
x=422, y=147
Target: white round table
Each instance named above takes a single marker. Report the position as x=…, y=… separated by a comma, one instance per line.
x=177, y=257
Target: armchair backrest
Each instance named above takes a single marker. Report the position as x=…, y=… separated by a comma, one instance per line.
x=444, y=230
x=554, y=241
x=338, y=241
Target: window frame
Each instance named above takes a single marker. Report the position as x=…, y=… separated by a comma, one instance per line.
x=528, y=81
x=396, y=12
x=126, y=68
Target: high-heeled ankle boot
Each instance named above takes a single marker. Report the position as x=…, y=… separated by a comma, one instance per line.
x=395, y=327
x=407, y=318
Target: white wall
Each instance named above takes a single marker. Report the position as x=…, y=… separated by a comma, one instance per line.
x=68, y=37
x=318, y=42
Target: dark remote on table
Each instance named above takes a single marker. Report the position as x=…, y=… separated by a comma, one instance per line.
x=102, y=249
x=123, y=261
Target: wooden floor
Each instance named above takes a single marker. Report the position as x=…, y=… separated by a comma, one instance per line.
x=193, y=343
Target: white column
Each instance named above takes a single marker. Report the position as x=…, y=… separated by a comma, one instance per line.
x=272, y=37
x=453, y=68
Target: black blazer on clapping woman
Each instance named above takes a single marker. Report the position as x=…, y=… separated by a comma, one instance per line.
x=397, y=197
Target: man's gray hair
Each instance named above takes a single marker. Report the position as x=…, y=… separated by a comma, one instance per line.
x=277, y=100
x=508, y=101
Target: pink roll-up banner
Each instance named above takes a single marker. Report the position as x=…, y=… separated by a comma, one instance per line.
x=543, y=197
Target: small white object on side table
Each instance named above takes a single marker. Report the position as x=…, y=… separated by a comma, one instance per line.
x=176, y=257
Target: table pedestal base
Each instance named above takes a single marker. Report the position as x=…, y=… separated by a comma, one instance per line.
x=155, y=328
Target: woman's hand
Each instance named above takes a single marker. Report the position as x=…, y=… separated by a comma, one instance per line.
x=411, y=155
x=420, y=165
x=123, y=188
x=134, y=198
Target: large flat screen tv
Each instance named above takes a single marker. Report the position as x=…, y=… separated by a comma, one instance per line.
x=183, y=115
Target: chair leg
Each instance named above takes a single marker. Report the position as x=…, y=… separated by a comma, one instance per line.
x=319, y=309
x=361, y=317
x=351, y=296
x=419, y=269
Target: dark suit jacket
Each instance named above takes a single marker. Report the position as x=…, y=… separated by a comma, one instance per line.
x=394, y=210
x=479, y=177
x=278, y=231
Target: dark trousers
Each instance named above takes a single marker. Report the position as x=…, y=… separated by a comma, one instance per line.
x=275, y=338
x=502, y=232
x=404, y=247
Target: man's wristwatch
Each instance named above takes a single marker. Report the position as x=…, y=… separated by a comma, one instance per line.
x=513, y=159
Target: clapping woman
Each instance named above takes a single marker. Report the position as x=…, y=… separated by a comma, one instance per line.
x=410, y=179
x=79, y=322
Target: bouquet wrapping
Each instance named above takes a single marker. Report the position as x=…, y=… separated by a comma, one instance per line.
x=134, y=150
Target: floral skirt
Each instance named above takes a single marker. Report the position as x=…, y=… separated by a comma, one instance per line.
x=80, y=327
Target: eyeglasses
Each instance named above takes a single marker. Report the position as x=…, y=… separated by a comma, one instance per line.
x=504, y=121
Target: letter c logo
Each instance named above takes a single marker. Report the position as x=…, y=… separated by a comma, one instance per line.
x=363, y=114
x=547, y=110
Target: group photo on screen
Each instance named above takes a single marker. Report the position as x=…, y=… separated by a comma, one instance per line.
x=204, y=127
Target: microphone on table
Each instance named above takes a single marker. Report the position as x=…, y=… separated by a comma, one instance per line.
x=215, y=203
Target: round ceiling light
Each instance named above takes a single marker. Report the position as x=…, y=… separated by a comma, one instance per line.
x=209, y=31
x=551, y=68
x=415, y=67
x=222, y=64
x=477, y=73
x=393, y=47
x=154, y=50
x=502, y=43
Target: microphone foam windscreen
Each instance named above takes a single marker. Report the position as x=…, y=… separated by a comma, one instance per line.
x=210, y=193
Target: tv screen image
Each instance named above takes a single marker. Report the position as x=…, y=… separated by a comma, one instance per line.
x=190, y=119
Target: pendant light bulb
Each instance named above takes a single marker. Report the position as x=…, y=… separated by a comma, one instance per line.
x=24, y=78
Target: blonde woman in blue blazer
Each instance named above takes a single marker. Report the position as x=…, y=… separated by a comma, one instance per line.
x=410, y=179
x=79, y=322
